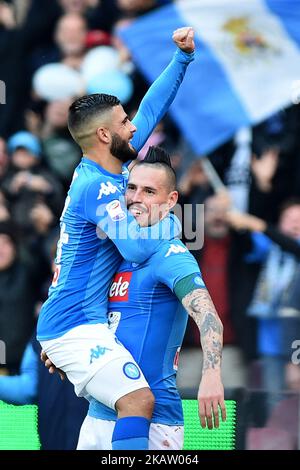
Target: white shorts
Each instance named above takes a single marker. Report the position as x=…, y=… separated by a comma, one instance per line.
x=92, y=351
x=96, y=434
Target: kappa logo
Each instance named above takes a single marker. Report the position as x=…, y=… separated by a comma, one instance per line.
x=97, y=352
x=106, y=189
x=175, y=249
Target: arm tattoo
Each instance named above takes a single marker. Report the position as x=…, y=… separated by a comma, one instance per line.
x=210, y=323
x=200, y=307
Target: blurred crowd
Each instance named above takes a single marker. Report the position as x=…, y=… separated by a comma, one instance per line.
x=250, y=259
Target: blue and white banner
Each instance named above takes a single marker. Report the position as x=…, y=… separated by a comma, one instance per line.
x=247, y=63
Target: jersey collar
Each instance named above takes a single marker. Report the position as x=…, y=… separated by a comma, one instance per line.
x=88, y=161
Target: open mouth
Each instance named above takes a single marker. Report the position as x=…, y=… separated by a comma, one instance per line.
x=136, y=211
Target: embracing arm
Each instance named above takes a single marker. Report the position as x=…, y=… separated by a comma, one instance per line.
x=200, y=307
x=109, y=213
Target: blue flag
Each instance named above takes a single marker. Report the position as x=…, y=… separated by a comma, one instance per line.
x=247, y=63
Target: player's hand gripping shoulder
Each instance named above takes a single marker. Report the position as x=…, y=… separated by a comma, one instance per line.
x=184, y=39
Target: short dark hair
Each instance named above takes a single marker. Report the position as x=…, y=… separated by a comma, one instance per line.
x=161, y=159
x=85, y=109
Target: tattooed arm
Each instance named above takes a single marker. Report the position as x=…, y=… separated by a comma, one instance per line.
x=198, y=304
x=200, y=307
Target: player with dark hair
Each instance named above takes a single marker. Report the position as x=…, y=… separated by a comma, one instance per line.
x=148, y=308
x=96, y=230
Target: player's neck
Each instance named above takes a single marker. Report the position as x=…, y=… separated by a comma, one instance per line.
x=106, y=160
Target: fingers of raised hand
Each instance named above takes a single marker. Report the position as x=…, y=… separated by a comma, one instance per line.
x=181, y=34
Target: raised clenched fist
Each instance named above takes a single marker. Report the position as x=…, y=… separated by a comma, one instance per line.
x=184, y=39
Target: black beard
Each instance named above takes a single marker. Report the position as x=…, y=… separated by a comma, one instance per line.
x=120, y=149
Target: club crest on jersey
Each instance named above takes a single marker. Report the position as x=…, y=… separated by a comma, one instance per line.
x=118, y=291
x=131, y=371
x=199, y=281
x=175, y=249
x=106, y=189
x=115, y=210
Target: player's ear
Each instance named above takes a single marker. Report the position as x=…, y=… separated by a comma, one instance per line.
x=103, y=135
x=172, y=199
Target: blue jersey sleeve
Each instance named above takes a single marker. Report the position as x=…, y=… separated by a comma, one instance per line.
x=159, y=97
x=22, y=389
x=173, y=263
x=110, y=215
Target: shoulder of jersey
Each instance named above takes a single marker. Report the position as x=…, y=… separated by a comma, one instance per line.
x=172, y=248
x=108, y=187
x=103, y=185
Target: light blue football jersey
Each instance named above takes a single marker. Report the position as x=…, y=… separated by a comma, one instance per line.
x=96, y=228
x=150, y=322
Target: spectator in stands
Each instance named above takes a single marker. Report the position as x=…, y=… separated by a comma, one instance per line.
x=100, y=14
x=18, y=290
x=194, y=186
x=57, y=142
x=28, y=182
x=28, y=26
x=276, y=144
x=278, y=250
x=70, y=37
